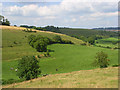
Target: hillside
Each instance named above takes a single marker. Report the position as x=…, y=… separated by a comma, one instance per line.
x=64, y=57
x=97, y=78
x=86, y=32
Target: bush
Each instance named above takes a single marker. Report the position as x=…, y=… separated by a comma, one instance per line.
x=57, y=39
x=66, y=42
x=108, y=47
x=40, y=46
x=101, y=60
x=28, y=68
x=115, y=65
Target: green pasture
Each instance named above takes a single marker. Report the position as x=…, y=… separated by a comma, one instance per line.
x=64, y=57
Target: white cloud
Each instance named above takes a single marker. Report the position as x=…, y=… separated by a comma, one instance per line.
x=68, y=12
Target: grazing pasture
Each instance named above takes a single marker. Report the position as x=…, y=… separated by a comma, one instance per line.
x=64, y=58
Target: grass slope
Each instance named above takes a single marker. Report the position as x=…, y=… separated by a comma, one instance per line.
x=65, y=57
x=97, y=78
x=12, y=36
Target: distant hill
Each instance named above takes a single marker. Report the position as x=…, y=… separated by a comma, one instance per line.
x=108, y=28
x=86, y=32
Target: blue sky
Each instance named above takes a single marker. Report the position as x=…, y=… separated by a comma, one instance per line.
x=66, y=13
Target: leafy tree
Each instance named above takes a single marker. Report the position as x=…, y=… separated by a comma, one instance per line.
x=28, y=68
x=30, y=39
x=40, y=46
x=4, y=21
x=101, y=60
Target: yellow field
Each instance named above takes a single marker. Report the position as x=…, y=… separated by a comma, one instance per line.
x=97, y=78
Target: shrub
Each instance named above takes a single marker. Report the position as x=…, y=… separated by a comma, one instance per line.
x=40, y=46
x=57, y=39
x=66, y=42
x=28, y=68
x=101, y=60
x=38, y=42
x=115, y=65
x=108, y=47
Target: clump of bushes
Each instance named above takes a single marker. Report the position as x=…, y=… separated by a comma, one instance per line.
x=101, y=60
x=40, y=43
x=28, y=68
x=116, y=65
x=58, y=39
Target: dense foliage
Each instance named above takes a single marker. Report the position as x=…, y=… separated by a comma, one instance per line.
x=28, y=68
x=4, y=21
x=101, y=60
x=40, y=43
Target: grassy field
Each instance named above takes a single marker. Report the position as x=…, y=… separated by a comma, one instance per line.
x=96, y=78
x=107, y=42
x=64, y=57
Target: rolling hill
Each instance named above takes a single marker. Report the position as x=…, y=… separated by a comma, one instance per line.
x=64, y=57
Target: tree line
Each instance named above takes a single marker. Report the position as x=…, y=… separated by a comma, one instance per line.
x=46, y=28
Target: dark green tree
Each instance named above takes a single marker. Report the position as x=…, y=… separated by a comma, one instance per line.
x=40, y=45
x=28, y=68
x=4, y=21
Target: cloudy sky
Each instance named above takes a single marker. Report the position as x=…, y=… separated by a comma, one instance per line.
x=65, y=13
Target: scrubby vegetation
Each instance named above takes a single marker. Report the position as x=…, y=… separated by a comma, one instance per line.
x=28, y=68
x=40, y=43
x=101, y=60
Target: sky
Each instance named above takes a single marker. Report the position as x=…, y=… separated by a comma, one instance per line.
x=65, y=13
